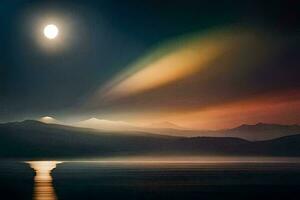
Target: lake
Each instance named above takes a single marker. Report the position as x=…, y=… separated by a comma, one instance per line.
x=151, y=178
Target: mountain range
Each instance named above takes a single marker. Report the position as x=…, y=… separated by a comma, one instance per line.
x=256, y=132
x=35, y=139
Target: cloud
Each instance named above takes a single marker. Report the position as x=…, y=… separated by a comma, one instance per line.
x=201, y=71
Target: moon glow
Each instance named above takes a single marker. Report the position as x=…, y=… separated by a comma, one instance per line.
x=51, y=31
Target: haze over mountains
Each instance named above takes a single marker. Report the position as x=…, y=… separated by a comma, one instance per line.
x=256, y=132
x=107, y=125
x=34, y=139
x=166, y=125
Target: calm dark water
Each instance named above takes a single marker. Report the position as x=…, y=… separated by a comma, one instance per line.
x=49, y=180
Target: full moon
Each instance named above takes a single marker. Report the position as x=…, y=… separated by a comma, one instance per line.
x=51, y=31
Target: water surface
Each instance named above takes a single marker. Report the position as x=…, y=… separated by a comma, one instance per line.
x=135, y=178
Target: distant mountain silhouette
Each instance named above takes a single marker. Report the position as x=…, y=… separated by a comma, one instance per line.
x=262, y=131
x=256, y=132
x=34, y=139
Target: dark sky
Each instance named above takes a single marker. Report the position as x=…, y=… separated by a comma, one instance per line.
x=105, y=37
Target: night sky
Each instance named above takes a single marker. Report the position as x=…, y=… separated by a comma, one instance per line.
x=234, y=61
